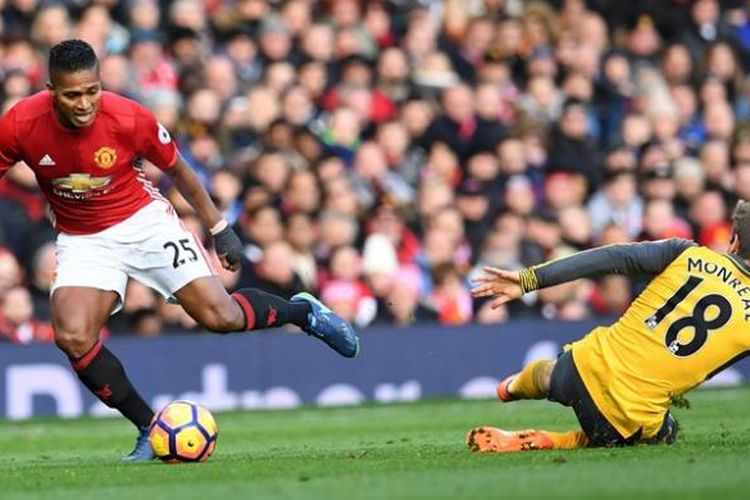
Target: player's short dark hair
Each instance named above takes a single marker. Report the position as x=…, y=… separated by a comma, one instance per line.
x=70, y=56
x=741, y=227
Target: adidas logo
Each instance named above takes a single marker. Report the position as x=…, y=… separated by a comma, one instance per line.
x=47, y=161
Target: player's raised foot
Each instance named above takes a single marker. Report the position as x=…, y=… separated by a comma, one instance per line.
x=494, y=440
x=329, y=327
x=502, y=389
x=142, y=451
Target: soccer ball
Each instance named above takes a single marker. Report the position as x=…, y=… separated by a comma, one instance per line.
x=183, y=431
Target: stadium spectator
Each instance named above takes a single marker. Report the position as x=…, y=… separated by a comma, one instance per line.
x=345, y=290
x=450, y=296
x=618, y=202
x=274, y=272
x=399, y=295
x=18, y=324
x=11, y=273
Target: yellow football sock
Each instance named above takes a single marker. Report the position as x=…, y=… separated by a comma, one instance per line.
x=568, y=440
x=529, y=383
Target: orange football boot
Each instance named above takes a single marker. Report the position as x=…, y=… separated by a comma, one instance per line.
x=502, y=389
x=494, y=440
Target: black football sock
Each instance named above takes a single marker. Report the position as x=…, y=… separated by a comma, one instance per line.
x=103, y=374
x=264, y=310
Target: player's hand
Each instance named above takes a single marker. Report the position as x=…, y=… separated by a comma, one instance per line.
x=228, y=248
x=502, y=285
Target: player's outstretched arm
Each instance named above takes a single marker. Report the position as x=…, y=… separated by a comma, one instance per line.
x=228, y=244
x=634, y=258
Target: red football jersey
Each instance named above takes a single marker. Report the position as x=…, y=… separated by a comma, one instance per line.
x=93, y=176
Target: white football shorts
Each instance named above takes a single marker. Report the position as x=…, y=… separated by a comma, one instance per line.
x=151, y=246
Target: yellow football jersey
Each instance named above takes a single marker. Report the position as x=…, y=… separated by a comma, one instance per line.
x=689, y=323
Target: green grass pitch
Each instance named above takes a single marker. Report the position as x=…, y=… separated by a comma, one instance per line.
x=406, y=451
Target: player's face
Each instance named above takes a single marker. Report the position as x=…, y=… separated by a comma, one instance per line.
x=76, y=96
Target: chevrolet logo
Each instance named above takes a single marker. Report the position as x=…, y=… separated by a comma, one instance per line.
x=81, y=183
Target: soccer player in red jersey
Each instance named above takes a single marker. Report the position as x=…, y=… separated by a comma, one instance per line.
x=86, y=147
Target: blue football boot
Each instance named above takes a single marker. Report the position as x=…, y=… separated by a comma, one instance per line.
x=329, y=326
x=142, y=451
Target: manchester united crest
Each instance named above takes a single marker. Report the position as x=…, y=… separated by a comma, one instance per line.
x=105, y=157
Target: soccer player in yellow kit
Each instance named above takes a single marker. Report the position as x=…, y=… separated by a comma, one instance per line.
x=689, y=323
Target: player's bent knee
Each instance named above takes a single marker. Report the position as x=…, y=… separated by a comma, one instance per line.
x=74, y=337
x=74, y=342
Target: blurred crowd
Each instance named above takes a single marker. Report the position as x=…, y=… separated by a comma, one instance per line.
x=380, y=153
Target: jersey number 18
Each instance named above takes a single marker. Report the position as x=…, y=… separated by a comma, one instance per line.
x=697, y=320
